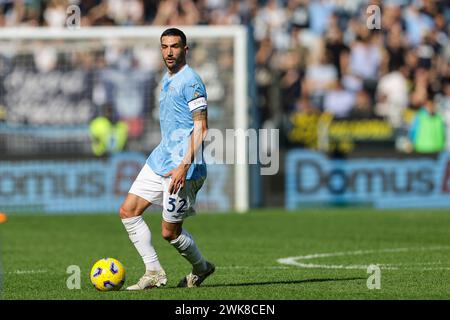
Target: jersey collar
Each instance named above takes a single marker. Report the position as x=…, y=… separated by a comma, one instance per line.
x=171, y=77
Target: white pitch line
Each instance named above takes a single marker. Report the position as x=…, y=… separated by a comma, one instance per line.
x=298, y=261
x=236, y=267
x=19, y=272
x=293, y=261
x=251, y=267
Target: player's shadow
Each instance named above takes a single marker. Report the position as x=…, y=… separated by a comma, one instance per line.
x=263, y=283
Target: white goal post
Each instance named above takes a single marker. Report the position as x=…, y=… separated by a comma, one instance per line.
x=236, y=34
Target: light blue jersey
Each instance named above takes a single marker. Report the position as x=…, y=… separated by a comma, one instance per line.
x=181, y=94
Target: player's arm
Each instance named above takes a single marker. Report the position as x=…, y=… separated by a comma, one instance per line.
x=198, y=135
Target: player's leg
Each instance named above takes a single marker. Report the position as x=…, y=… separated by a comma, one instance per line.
x=186, y=246
x=175, y=209
x=184, y=243
x=131, y=214
x=143, y=192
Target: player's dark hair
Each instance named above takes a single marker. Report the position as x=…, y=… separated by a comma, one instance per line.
x=174, y=32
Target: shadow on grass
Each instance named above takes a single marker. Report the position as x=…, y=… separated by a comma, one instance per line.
x=243, y=284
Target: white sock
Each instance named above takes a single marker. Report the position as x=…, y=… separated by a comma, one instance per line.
x=141, y=237
x=186, y=246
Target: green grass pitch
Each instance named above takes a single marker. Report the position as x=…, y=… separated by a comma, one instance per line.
x=412, y=249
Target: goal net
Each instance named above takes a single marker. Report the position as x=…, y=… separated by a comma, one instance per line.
x=54, y=82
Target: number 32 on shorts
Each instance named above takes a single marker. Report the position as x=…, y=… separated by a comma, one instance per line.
x=180, y=207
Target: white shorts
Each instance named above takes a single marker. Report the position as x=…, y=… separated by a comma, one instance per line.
x=154, y=188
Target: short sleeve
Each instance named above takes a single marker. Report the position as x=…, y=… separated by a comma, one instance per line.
x=195, y=95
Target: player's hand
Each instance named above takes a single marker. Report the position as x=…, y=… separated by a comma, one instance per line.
x=178, y=179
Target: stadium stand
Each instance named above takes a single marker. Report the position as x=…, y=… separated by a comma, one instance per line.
x=311, y=56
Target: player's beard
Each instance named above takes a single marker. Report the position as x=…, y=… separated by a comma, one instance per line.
x=176, y=65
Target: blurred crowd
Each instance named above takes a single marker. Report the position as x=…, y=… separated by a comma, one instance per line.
x=310, y=55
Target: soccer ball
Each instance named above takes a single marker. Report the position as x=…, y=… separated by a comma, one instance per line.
x=107, y=274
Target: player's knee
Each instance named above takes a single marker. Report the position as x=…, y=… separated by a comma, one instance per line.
x=125, y=212
x=169, y=235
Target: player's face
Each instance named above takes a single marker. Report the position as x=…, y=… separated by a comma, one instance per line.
x=173, y=52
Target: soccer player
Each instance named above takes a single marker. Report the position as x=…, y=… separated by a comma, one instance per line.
x=173, y=173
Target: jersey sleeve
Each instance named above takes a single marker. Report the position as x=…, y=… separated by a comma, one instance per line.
x=195, y=95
